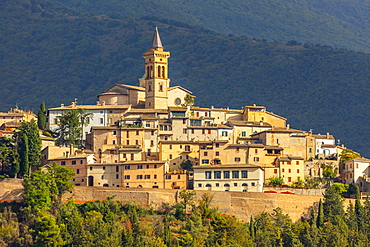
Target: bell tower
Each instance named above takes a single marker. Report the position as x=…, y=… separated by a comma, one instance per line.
x=156, y=80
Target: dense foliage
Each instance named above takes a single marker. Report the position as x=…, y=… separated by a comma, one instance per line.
x=44, y=220
x=58, y=56
x=342, y=23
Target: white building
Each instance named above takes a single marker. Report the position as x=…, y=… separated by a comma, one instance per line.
x=240, y=178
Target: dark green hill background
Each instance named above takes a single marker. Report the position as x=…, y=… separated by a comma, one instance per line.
x=51, y=53
x=341, y=23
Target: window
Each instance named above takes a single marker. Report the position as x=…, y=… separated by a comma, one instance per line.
x=253, y=184
x=137, y=132
x=217, y=145
x=147, y=166
x=297, y=162
x=205, y=161
x=237, y=149
x=178, y=176
x=184, y=121
x=283, y=170
x=256, y=151
x=217, y=174
x=170, y=156
x=294, y=141
x=244, y=133
x=217, y=153
x=235, y=184
x=101, y=120
x=208, y=175
x=275, y=171
x=63, y=163
x=205, y=153
x=226, y=174
x=139, y=166
x=237, y=159
x=192, y=131
x=91, y=168
x=139, y=177
x=290, y=170
x=224, y=133
x=217, y=185
x=114, y=132
x=151, y=143
x=78, y=171
x=127, y=167
x=203, y=131
x=114, y=142
x=297, y=170
x=117, y=176
x=289, y=179
x=256, y=159
x=132, y=157
x=127, y=176
x=199, y=185
x=155, y=176
x=127, y=142
x=155, y=166
x=184, y=131
x=136, y=142
x=244, y=174
x=310, y=150
x=187, y=148
x=117, y=168
x=103, y=167
x=277, y=141
x=147, y=176
x=209, y=131
x=152, y=132
x=73, y=162
x=235, y=174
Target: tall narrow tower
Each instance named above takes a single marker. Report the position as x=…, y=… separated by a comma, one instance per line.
x=156, y=80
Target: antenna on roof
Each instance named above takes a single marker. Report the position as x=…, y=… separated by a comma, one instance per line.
x=76, y=101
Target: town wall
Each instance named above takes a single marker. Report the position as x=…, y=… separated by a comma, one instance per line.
x=241, y=204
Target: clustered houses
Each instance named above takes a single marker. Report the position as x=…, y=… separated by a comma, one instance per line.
x=140, y=135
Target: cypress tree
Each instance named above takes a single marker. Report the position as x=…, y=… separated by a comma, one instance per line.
x=41, y=117
x=320, y=215
x=359, y=210
x=24, y=153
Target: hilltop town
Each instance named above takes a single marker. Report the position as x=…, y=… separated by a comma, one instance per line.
x=154, y=136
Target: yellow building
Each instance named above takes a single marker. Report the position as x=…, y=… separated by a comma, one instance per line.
x=175, y=152
x=258, y=113
x=290, y=168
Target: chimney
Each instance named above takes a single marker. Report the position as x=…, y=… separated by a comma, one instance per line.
x=67, y=154
x=327, y=135
x=71, y=149
x=288, y=126
x=61, y=105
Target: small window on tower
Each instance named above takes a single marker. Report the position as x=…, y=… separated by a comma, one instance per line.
x=177, y=101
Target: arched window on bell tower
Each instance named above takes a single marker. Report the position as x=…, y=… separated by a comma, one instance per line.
x=151, y=72
x=163, y=72
x=161, y=88
x=147, y=72
x=149, y=87
x=159, y=71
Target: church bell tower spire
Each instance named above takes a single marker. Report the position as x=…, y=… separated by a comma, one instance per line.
x=156, y=81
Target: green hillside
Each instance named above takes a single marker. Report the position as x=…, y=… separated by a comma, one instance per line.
x=49, y=55
x=340, y=23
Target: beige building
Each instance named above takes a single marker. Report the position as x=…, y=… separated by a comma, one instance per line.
x=290, y=168
x=175, y=152
x=16, y=115
x=234, y=177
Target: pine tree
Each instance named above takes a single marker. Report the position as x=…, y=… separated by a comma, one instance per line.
x=359, y=211
x=41, y=117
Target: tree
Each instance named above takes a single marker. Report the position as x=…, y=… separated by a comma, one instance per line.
x=71, y=125
x=41, y=117
x=320, y=215
x=9, y=157
x=333, y=203
x=24, y=156
x=275, y=181
x=31, y=130
x=348, y=154
x=186, y=165
x=189, y=100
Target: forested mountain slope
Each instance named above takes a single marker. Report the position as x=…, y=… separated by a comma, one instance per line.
x=341, y=23
x=50, y=54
